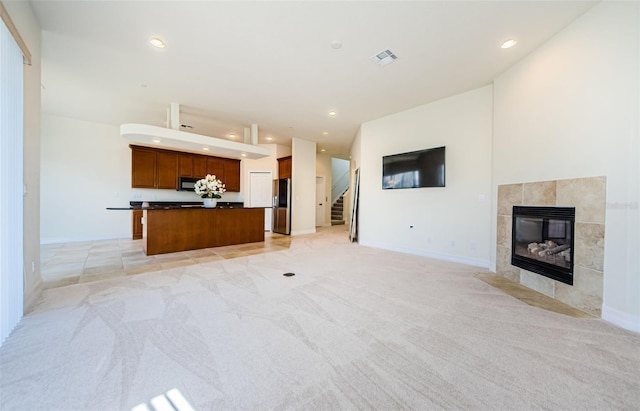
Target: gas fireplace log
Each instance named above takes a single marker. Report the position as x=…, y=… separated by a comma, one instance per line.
x=557, y=249
x=534, y=248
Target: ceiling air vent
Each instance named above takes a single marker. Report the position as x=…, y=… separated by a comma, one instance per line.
x=384, y=57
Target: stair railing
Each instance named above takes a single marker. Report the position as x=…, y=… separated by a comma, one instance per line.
x=339, y=186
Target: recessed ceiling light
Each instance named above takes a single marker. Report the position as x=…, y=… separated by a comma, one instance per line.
x=205, y=148
x=508, y=44
x=323, y=150
x=269, y=138
x=325, y=133
x=157, y=42
x=156, y=140
x=336, y=44
x=332, y=113
x=243, y=154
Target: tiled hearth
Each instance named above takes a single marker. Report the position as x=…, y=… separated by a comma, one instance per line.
x=587, y=195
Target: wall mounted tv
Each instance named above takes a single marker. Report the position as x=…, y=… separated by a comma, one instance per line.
x=423, y=168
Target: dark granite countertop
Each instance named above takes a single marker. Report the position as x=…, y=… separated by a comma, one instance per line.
x=172, y=205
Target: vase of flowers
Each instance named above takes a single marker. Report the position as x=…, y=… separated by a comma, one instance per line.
x=210, y=189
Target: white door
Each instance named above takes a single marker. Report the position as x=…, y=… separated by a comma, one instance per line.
x=260, y=195
x=321, y=201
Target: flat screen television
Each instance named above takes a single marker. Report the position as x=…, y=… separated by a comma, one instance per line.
x=423, y=168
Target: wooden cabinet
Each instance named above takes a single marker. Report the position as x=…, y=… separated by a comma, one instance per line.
x=185, y=165
x=167, y=170
x=215, y=166
x=137, y=224
x=199, y=166
x=227, y=170
x=153, y=169
x=232, y=174
x=192, y=165
x=143, y=168
x=173, y=230
x=284, y=167
x=158, y=168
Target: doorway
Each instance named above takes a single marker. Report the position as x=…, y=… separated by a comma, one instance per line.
x=321, y=201
x=260, y=194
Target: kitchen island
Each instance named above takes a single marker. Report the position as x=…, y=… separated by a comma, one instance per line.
x=181, y=228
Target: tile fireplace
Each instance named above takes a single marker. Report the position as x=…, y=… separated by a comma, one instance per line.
x=573, y=253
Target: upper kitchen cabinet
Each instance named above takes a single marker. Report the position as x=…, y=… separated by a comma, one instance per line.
x=192, y=165
x=158, y=168
x=143, y=167
x=199, y=166
x=167, y=171
x=232, y=174
x=151, y=168
x=185, y=165
x=284, y=167
x=215, y=167
x=227, y=170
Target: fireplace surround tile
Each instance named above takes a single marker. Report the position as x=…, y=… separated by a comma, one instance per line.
x=504, y=231
x=503, y=264
x=589, y=245
x=542, y=193
x=588, y=284
x=588, y=196
x=508, y=196
x=537, y=282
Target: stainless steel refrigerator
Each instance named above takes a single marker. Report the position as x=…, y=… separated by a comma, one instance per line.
x=281, y=218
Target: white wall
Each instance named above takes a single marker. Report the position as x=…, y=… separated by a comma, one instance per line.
x=282, y=151
x=570, y=110
x=303, y=180
x=453, y=222
x=85, y=168
x=27, y=25
x=339, y=167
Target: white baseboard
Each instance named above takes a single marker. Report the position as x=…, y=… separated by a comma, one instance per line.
x=432, y=254
x=621, y=319
x=57, y=240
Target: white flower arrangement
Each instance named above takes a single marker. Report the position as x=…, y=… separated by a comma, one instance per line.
x=209, y=187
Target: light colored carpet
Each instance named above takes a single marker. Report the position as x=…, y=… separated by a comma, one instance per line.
x=355, y=328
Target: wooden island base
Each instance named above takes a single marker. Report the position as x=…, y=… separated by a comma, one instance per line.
x=181, y=229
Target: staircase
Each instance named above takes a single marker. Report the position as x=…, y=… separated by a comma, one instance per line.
x=337, y=217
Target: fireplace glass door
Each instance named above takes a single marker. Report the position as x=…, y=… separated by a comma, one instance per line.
x=542, y=241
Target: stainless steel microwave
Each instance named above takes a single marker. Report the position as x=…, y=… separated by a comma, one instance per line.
x=187, y=183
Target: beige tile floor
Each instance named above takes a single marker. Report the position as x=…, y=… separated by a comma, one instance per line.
x=79, y=262
x=531, y=297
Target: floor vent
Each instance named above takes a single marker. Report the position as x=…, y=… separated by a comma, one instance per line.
x=289, y=274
